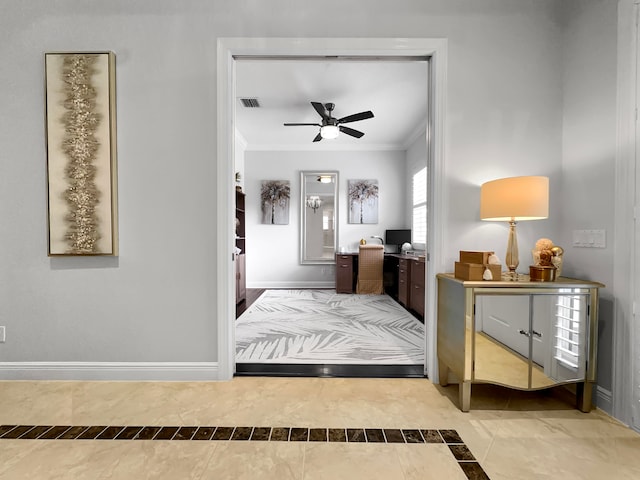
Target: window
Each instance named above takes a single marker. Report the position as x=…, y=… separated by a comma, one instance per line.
x=419, y=220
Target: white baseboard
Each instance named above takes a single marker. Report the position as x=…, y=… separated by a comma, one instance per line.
x=113, y=371
x=293, y=285
x=604, y=400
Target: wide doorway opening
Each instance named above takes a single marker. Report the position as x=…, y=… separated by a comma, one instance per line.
x=277, y=149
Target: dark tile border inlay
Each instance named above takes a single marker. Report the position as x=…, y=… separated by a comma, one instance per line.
x=299, y=435
x=374, y=435
x=147, y=433
x=185, y=433
x=337, y=435
x=393, y=435
x=88, y=434
x=53, y=433
x=280, y=434
x=261, y=434
x=166, y=433
x=223, y=433
x=467, y=462
x=73, y=433
x=317, y=434
x=109, y=433
x=356, y=435
x=242, y=433
x=128, y=433
x=204, y=433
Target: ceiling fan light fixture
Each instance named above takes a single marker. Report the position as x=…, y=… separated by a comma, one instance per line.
x=329, y=131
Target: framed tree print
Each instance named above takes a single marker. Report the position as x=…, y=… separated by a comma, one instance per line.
x=363, y=201
x=275, y=198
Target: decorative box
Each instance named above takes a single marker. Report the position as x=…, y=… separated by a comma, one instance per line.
x=474, y=271
x=481, y=258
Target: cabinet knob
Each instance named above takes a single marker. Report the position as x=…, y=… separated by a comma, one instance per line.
x=522, y=332
x=537, y=334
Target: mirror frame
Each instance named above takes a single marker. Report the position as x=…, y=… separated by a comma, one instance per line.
x=303, y=216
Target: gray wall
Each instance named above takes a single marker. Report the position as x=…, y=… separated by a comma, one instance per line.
x=506, y=78
x=588, y=155
x=273, y=253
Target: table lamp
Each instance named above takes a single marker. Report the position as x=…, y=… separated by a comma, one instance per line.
x=512, y=200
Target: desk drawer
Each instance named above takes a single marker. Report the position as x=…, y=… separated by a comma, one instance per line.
x=344, y=273
x=404, y=277
x=417, y=273
x=344, y=260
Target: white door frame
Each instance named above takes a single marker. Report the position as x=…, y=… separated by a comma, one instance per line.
x=227, y=48
x=626, y=332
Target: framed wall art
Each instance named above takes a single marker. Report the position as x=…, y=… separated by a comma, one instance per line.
x=363, y=201
x=275, y=197
x=80, y=121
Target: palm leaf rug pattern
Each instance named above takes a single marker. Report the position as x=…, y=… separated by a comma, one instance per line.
x=321, y=326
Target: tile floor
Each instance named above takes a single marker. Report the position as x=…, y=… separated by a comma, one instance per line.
x=513, y=435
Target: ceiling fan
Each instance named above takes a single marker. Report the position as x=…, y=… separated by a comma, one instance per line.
x=330, y=126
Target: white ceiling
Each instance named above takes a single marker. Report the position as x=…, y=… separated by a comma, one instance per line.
x=395, y=91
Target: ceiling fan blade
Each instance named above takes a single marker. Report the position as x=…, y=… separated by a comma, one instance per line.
x=318, y=137
x=321, y=110
x=351, y=131
x=301, y=124
x=356, y=117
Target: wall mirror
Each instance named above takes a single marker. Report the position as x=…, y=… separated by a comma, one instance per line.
x=318, y=219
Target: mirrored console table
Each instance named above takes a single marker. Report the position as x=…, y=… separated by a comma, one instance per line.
x=519, y=334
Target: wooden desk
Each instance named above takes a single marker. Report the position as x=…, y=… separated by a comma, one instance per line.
x=404, y=278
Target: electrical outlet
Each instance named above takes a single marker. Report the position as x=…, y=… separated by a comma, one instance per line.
x=3, y=337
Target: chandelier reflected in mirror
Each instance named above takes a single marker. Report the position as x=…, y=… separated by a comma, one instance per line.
x=314, y=202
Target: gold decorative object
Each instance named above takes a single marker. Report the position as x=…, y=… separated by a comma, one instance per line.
x=547, y=261
x=81, y=153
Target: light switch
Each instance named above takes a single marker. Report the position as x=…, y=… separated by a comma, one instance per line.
x=589, y=238
x=597, y=239
x=579, y=238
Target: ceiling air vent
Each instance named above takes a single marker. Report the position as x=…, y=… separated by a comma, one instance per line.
x=250, y=102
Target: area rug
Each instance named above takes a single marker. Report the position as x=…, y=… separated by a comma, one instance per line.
x=322, y=326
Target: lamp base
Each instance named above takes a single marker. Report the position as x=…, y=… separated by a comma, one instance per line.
x=511, y=275
x=511, y=258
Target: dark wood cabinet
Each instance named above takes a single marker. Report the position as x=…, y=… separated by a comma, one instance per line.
x=344, y=273
x=240, y=258
x=416, y=297
x=404, y=278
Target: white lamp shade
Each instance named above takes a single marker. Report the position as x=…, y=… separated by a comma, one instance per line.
x=515, y=198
